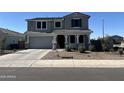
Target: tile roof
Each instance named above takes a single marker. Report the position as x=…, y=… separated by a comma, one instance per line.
x=10, y=32
x=42, y=18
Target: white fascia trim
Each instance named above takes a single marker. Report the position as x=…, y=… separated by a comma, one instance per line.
x=76, y=18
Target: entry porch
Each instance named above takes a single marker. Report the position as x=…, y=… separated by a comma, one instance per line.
x=73, y=41
x=71, y=37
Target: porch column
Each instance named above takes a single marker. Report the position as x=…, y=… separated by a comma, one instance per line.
x=84, y=39
x=27, y=41
x=66, y=39
x=54, y=42
x=77, y=39
x=27, y=37
x=89, y=39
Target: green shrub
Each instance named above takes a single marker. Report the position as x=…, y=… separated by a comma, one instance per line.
x=120, y=51
x=92, y=48
x=81, y=48
x=67, y=47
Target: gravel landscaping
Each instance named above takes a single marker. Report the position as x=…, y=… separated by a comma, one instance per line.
x=84, y=56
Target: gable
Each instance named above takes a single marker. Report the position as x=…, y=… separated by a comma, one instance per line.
x=117, y=37
x=1, y=34
x=76, y=14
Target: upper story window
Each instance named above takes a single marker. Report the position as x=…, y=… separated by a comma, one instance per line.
x=44, y=25
x=58, y=24
x=38, y=25
x=41, y=25
x=76, y=22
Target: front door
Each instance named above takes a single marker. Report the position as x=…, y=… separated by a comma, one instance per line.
x=60, y=41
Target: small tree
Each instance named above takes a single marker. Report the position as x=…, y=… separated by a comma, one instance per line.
x=95, y=45
x=2, y=43
x=107, y=43
x=120, y=50
x=92, y=48
x=21, y=43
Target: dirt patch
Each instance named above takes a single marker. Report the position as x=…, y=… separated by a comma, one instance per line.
x=84, y=56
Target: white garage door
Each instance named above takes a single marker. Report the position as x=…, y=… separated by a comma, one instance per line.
x=40, y=42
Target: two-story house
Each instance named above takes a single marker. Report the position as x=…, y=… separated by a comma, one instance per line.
x=72, y=29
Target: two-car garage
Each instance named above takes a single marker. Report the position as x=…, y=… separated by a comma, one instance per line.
x=44, y=42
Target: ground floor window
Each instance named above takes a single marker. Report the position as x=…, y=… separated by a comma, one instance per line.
x=72, y=39
x=81, y=39
x=57, y=24
x=38, y=25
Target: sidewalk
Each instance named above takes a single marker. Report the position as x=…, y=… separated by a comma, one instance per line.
x=80, y=63
x=64, y=63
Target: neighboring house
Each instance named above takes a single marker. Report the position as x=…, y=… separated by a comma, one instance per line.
x=117, y=42
x=117, y=46
x=72, y=29
x=122, y=45
x=117, y=39
x=9, y=37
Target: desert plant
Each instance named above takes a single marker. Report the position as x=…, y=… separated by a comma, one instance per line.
x=67, y=47
x=120, y=51
x=92, y=48
x=21, y=43
x=81, y=48
x=95, y=45
x=107, y=43
x=2, y=42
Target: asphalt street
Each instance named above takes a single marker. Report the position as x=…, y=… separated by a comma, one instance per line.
x=61, y=74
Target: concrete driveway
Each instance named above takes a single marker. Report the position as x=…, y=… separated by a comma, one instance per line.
x=22, y=58
x=29, y=54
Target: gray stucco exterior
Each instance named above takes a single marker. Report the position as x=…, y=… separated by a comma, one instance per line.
x=66, y=23
x=66, y=28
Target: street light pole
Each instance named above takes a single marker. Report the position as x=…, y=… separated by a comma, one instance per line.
x=103, y=28
x=103, y=34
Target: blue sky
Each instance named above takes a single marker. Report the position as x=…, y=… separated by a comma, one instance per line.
x=114, y=21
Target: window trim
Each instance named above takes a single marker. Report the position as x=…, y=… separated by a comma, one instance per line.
x=41, y=25
x=55, y=24
x=75, y=19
